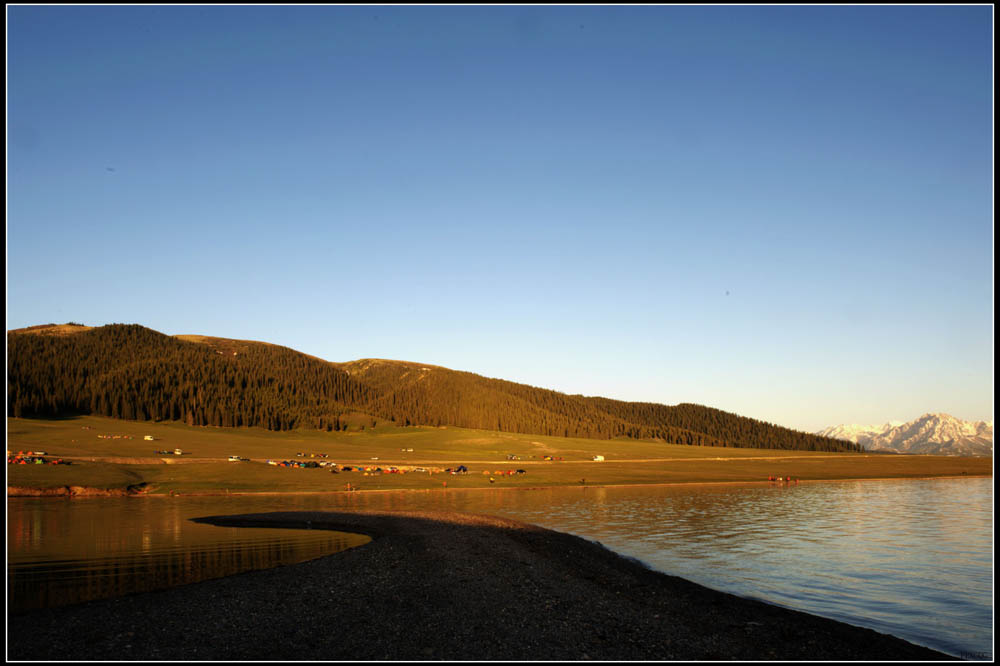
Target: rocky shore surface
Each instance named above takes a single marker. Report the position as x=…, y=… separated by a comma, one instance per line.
x=443, y=586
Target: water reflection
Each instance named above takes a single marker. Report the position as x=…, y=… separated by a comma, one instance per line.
x=111, y=548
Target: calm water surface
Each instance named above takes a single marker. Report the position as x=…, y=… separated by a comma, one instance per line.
x=908, y=558
x=63, y=551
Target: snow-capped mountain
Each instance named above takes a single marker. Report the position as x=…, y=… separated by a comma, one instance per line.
x=859, y=434
x=938, y=434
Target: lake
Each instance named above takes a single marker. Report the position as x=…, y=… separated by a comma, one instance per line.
x=64, y=551
x=911, y=558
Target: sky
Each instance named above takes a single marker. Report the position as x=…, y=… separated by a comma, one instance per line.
x=784, y=212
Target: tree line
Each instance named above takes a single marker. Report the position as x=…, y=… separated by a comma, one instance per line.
x=411, y=393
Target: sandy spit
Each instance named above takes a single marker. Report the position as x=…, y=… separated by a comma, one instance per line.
x=443, y=586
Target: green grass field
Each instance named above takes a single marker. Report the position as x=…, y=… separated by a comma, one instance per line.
x=115, y=463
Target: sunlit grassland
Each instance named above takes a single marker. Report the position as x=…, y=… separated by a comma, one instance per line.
x=115, y=463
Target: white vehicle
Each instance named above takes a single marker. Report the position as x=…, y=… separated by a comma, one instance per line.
x=238, y=459
x=598, y=458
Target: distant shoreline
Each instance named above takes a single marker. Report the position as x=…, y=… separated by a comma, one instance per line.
x=101, y=466
x=81, y=491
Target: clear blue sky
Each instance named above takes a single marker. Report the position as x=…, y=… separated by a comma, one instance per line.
x=783, y=212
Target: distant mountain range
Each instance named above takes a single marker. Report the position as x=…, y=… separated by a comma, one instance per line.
x=937, y=434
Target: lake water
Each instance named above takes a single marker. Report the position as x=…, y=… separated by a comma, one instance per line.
x=909, y=558
x=64, y=551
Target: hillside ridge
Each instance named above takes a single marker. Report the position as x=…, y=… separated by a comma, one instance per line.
x=132, y=372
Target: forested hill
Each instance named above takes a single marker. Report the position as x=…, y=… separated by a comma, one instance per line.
x=132, y=372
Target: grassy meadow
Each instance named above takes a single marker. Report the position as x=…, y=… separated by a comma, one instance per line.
x=101, y=461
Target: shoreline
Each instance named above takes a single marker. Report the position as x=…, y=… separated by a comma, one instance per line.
x=134, y=491
x=444, y=585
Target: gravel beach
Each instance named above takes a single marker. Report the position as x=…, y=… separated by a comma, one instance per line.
x=443, y=586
